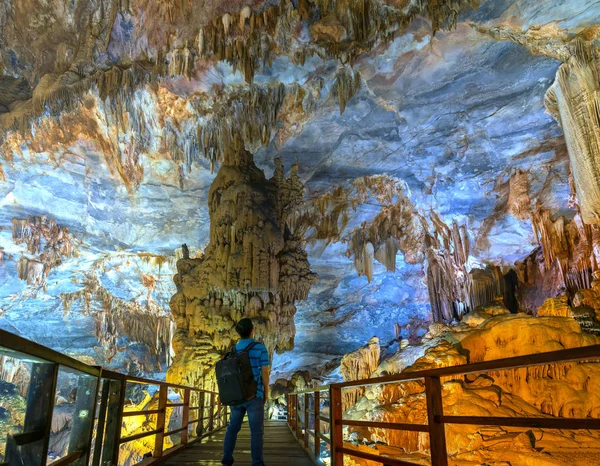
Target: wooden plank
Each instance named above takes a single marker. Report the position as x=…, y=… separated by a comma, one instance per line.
x=280, y=448
x=380, y=459
x=26, y=438
x=29, y=348
x=118, y=376
x=337, y=439
x=435, y=413
x=326, y=439
x=83, y=419
x=140, y=413
x=160, y=421
x=131, y=438
x=71, y=458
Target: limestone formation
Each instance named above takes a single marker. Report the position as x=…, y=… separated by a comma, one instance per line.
x=400, y=149
x=573, y=100
x=47, y=242
x=254, y=266
x=542, y=391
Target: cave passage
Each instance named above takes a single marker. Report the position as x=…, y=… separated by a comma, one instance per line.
x=382, y=187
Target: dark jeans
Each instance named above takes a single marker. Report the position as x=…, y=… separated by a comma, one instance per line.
x=256, y=418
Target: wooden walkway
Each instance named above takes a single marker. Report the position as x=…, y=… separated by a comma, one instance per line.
x=281, y=449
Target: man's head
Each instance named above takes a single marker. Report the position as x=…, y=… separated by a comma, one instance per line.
x=245, y=328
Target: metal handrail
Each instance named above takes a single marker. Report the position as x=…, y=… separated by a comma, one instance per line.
x=28, y=447
x=298, y=419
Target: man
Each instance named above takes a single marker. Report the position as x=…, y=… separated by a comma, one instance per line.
x=259, y=360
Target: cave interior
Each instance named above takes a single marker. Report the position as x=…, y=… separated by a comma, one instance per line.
x=382, y=186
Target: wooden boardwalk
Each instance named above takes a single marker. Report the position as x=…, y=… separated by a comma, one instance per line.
x=281, y=449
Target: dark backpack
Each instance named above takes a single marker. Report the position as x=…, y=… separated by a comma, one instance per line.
x=235, y=377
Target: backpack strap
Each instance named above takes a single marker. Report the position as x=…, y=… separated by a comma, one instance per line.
x=250, y=346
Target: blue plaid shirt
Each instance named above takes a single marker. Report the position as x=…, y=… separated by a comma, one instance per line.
x=259, y=358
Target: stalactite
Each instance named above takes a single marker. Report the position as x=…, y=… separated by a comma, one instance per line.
x=32, y=271
x=59, y=95
x=453, y=289
x=57, y=246
x=359, y=365
x=518, y=195
x=247, y=40
x=246, y=119
x=574, y=100
x=346, y=85
x=566, y=242
x=180, y=62
x=115, y=318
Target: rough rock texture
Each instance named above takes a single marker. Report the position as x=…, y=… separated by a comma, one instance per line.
x=550, y=390
x=254, y=266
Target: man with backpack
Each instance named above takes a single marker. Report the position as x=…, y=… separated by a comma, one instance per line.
x=245, y=391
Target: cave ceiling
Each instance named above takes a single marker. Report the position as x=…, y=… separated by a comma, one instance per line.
x=116, y=115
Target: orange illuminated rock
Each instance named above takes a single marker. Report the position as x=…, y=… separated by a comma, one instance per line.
x=555, y=307
x=566, y=390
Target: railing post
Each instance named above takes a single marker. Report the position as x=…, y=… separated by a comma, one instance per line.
x=289, y=402
x=336, y=414
x=114, y=416
x=306, y=419
x=298, y=423
x=201, y=403
x=211, y=419
x=100, y=436
x=317, y=425
x=83, y=420
x=435, y=413
x=219, y=414
x=185, y=422
x=161, y=421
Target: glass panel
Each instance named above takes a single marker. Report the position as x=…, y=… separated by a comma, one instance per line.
x=174, y=419
x=14, y=383
x=139, y=397
x=72, y=416
x=131, y=453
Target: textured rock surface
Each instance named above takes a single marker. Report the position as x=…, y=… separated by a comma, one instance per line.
x=554, y=389
x=254, y=266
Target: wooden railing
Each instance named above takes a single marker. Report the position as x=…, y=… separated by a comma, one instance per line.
x=100, y=409
x=300, y=414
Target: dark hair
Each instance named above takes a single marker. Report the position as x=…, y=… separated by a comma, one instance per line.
x=244, y=327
